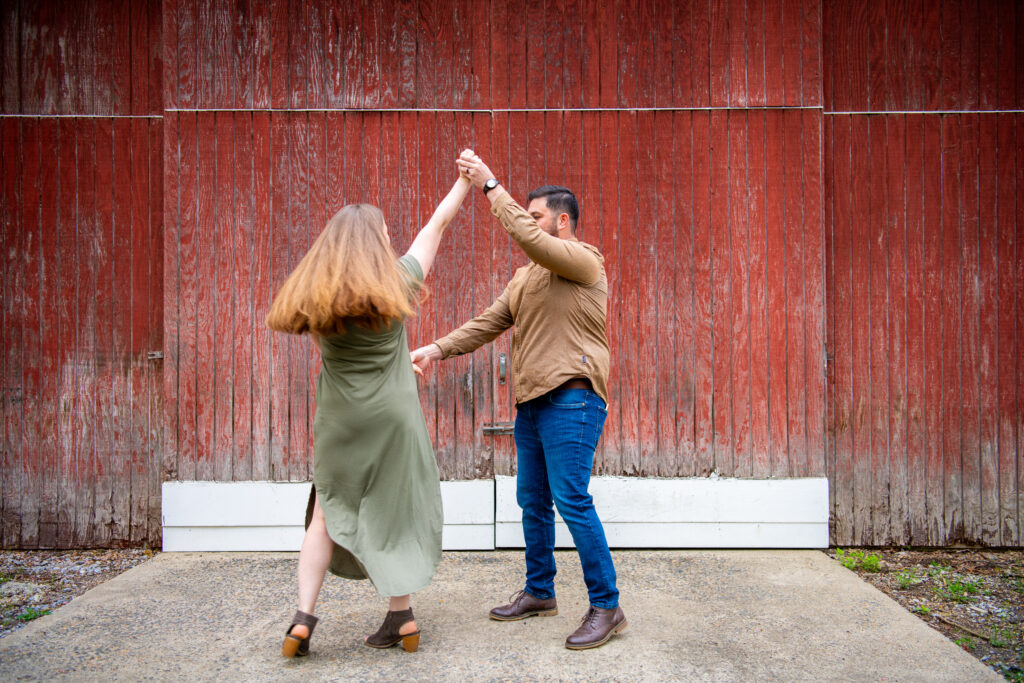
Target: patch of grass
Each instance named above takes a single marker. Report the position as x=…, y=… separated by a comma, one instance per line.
x=4, y=578
x=32, y=613
x=1000, y=637
x=1018, y=586
x=906, y=579
x=857, y=559
x=922, y=609
x=966, y=643
x=957, y=591
x=936, y=569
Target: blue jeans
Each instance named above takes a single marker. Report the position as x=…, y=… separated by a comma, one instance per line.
x=556, y=435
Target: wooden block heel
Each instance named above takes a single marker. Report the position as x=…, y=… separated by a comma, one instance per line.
x=295, y=646
x=411, y=642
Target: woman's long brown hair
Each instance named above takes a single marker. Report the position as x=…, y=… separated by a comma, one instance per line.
x=349, y=274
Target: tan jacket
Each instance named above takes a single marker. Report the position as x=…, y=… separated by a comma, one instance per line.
x=558, y=305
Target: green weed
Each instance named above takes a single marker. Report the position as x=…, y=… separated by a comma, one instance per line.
x=966, y=643
x=906, y=579
x=32, y=613
x=922, y=609
x=856, y=559
x=1000, y=637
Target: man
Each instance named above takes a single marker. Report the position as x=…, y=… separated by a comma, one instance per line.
x=557, y=304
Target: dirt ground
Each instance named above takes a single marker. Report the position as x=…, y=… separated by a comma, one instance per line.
x=973, y=597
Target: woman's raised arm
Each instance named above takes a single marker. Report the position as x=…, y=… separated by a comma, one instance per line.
x=424, y=247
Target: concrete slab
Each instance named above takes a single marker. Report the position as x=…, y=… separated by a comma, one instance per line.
x=694, y=615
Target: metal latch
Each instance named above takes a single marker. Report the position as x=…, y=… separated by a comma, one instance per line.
x=154, y=355
x=502, y=365
x=499, y=429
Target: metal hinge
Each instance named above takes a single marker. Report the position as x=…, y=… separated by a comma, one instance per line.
x=499, y=428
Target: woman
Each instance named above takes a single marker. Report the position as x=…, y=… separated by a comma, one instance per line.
x=375, y=506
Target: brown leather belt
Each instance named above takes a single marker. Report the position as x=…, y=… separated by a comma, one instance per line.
x=575, y=383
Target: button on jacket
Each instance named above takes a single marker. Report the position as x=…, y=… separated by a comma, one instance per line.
x=558, y=305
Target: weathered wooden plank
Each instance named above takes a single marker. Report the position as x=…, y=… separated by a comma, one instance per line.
x=278, y=54
x=915, y=332
x=736, y=40
x=281, y=263
x=876, y=94
x=777, y=267
x=242, y=277
x=796, y=304
x=933, y=339
x=34, y=403
x=299, y=456
x=950, y=345
x=987, y=15
x=628, y=312
x=1019, y=224
x=860, y=352
x=155, y=336
x=700, y=56
x=792, y=51
x=461, y=57
x=814, y=274
x=1008, y=46
x=896, y=288
x=187, y=247
x=171, y=365
x=126, y=311
x=66, y=368
x=987, y=356
x=261, y=294
x=968, y=319
x=738, y=319
x=573, y=77
x=462, y=273
x=646, y=37
x=609, y=57
x=261, y=58
x=224, y=74
x=454, y=404
x=84, y=355
x=718, y=54
x=223, y=346
x=683, y=409
x=312, y=24
x=721, y=293
x=49, y=455
x=757, y=62
x=758, y=274
x=646, y=263
x=703, y=342
x=1008, y=344
x=109, y=436
x=297, y=53
x=671, y=319
x=136, y=213
x=950, y=39
x=610, y=158
x=205, y=285
x=877, y=321
x=15, y=464
x=970, y=40
x=811, y=66
x=10, y=77
x=241, y=28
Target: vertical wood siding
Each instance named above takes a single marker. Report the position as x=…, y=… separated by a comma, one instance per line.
x=165, y=164
x=923, y=270
x=702, y=381
x=82, y=276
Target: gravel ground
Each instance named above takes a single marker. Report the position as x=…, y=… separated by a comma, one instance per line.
x=36, y=582
x=973, y=597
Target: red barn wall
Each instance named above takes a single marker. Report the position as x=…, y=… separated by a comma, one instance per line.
x=924, y=171
x=727, y=155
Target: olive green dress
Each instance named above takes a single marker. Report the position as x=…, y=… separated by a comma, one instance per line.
x=373, y=464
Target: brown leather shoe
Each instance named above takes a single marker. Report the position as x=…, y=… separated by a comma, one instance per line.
x=597, y=627
x=524, y=605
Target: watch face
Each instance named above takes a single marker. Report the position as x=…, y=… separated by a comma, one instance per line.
x=491, y=184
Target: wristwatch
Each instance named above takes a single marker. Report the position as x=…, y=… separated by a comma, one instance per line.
x=490, y=185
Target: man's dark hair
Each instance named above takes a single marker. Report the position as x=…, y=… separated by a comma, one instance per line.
x=559, y=200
